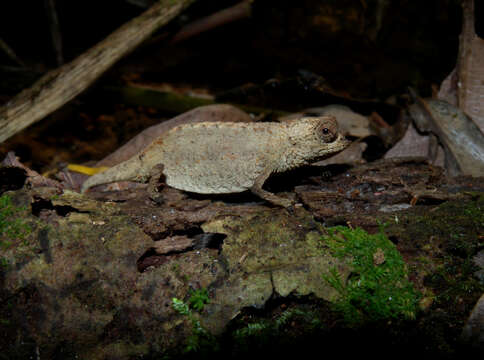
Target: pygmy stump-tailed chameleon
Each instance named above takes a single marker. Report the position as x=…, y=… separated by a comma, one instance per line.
x=224, y=157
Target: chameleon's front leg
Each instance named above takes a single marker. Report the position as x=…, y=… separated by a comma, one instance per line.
x=266, y=195
x=156, y=174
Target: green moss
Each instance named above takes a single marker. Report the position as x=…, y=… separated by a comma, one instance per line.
x=447, y=238
x=10, y=226
x=455, y=226
x=378, y=287
x=176, y=268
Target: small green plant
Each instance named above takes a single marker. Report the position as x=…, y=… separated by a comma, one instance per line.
x=252, y=329
x=199, y=337
x=291, y=324
x=198, y=299
x=180, y=307
x=378, y=287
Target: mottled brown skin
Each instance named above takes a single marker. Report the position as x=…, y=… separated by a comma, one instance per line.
x=220, y=157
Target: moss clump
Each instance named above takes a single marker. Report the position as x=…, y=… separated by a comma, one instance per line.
x=11, y=227
x=378, y=287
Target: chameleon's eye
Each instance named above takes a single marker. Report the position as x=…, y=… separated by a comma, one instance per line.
x=328, y=134
x=327, y=129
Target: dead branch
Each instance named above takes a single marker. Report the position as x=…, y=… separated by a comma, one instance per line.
x=238, y=11
x=59, y=86
x=54, y=30
x=10, y=53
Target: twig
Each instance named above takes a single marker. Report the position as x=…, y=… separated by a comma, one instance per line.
x=140, y=3
x=54, y=30
x=63, y=84
x=239, y=11
x=10, y=53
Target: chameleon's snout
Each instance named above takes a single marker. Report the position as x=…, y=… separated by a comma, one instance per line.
x=342, y=142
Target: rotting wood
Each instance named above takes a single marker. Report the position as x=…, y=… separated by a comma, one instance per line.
x=59, y=86
x=173, y=244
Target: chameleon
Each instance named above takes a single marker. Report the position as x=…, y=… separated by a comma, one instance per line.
x=229, y=157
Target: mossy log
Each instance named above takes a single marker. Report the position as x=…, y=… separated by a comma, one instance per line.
x=112, y=275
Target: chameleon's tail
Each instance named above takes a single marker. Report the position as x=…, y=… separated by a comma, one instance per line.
x=125, y=171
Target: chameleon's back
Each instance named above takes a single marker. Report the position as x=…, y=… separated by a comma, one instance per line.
x=216, y=158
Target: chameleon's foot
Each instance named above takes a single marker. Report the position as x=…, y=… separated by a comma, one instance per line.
x=279, y=201
x=291, y=210
x=157, y=198
x=272, y=198
x=153, y=192
x=154, y=184
x=268, y=196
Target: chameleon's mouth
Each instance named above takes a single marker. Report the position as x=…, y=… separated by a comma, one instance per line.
x=341, y=143
x=333, y=148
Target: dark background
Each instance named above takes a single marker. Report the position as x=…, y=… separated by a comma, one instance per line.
x=360, y=47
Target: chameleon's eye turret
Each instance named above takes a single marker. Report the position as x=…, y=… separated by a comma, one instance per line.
x=328, y=131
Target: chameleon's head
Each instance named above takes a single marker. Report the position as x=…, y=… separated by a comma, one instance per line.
x=316, y=138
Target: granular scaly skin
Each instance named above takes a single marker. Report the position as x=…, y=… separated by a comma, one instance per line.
x=221, y=157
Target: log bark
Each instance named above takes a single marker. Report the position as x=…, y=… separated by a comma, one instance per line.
x=103, y=274
x=59, y=86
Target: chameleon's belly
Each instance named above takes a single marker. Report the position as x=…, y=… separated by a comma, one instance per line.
x=217, y=175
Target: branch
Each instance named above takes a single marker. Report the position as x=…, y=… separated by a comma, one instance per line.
x=54, y=30
x=59, y=86
x=10, y=53
x=238, y=11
